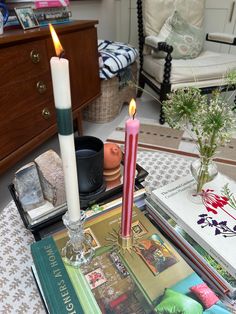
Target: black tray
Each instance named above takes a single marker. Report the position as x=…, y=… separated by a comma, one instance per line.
x=54, y=221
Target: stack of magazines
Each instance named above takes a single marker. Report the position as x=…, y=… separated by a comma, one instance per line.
x=48, y=11
x=51, y=11
x=202, y=226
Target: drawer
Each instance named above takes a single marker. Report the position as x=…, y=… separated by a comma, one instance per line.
x=23, y=61
x=23, y=113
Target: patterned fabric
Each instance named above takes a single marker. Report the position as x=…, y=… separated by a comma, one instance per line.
x=205, y=294
x=115, y=56
x=162, y=167
x=18, y=291
x=186, y=39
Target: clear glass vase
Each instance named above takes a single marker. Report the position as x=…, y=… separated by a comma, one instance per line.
x=204, y=170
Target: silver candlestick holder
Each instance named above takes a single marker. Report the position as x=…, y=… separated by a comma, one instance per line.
x=78, y=249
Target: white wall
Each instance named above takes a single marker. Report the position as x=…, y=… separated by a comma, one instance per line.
x=126, y=22
x=101, y=10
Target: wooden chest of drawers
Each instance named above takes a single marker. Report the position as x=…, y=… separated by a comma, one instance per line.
x=27, y=112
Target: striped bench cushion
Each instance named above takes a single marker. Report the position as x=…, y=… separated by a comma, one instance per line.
x=115, y=57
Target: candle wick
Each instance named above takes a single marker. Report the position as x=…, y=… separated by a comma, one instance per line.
x=62, y=54
x=134, y=113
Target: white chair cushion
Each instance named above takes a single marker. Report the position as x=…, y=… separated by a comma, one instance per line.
x=201, y=71
x=156, y=12
x=186, y=39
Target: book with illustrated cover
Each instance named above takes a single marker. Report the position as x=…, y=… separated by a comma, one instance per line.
x=113, y=282
x=156, y=254
x=202, y=260
x=209, y=217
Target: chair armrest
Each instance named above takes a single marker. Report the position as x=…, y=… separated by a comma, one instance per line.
x=221, y=38
x=163, y=46
x=152, y=41
x=157, y=43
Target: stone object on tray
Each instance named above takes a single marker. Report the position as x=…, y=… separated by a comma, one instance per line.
x=112, y=162
x=28, y=187
x=51, y=176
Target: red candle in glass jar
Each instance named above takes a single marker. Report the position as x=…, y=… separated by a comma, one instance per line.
x=131, y=144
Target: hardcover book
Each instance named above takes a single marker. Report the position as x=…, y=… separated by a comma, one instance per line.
x=114, y=282
x=201, y=260
x=209, y=217
x=50, y=3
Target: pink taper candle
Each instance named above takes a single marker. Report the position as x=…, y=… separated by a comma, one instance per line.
x=131, y=144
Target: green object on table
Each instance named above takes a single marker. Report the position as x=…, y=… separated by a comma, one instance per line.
x=177, y=303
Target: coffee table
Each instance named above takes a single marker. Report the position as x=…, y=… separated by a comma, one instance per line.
x=19, y=292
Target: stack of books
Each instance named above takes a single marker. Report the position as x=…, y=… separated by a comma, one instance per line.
x=154, y=278
x=48, y=11
x=202, y=226
x=51, y=11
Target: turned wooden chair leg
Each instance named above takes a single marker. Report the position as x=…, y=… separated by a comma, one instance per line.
x=162, y=116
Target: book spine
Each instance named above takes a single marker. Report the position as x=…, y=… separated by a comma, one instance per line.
x=220, y=259
x=199, y=261
x=56, y=285
x=83, y=291
x=39, y=4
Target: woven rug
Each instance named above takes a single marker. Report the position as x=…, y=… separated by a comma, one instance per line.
x=163, y=138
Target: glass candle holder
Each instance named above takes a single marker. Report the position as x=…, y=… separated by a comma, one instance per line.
x=78, y=249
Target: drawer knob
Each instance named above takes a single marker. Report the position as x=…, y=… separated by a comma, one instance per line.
x=35, y=56
x=41, y=87
x=46, y=113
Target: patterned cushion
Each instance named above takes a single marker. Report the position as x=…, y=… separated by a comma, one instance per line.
x=205, y=294
x=115, y=57
x=186, y=39
x=155, y=13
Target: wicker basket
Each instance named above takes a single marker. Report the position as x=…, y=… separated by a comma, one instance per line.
x=114, y=93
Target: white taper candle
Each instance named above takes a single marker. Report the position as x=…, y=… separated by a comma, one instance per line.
x=62, y=99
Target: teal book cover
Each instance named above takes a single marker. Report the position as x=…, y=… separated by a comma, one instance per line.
x=58, y=290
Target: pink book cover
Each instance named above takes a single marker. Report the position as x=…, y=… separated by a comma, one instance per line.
x=39, y=4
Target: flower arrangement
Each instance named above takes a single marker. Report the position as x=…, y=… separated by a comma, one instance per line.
x=209, y=120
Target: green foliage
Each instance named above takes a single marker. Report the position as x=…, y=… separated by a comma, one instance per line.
x=231, y=199
x=231, y=77
x=210, y=122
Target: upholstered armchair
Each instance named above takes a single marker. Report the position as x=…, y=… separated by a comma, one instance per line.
x=172, y=56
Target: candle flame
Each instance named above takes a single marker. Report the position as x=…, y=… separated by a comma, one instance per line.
x=57, y=45
x=132, y=108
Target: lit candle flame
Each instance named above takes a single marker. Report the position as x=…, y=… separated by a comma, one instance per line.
x=57, y=45
x=132, y=108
